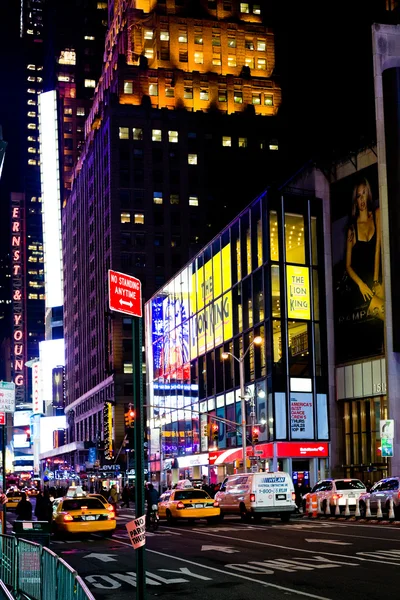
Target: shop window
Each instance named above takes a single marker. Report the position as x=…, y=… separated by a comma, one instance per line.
x=294, y=238
x=275, y=291
x=273, y=234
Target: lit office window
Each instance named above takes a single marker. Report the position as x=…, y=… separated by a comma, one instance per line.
x=80, y=111
x=193, y=201
x=174, y=198
x=164, y=35
x=30, y=78
x=249, y=62
x=31, y=67
x=231, y=61
x=128, y=369
x=149, y=53
x=153, y=89
x=67, y=110
x=256, y=98
x=226, y=141
x=192, y=159
x=157, y=198
x=124, y=133
x=102, y=5
x=257, y=9
x=31, y=150
x=231, y=42
x=261, y=64
x=90, y=38
x=173, y=137
x=31, y=91
x=32, y=126
x=169, y=92
x=216, y=39
x=31, y=113
x=182, y=38
x=32, y=162
x=156, y=135
x=238, y=97
x=273, y=145
x=198, y=58
x=198, y=38
x=139, y=219
x=249, y=44
x=67, y=57
x=137, y=133
x=90, y=83
x=188, y=93
x=261, y=45
x=222, y=96
x=31, y=138
x=128, y=87
x=204, y=94
x=244, y=7
x=268, y=100
x=148, y=34
x=242, y=143
x=125, y=217
x=216, y=60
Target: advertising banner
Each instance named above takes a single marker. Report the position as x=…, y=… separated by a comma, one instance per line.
x=298, y=292
x=301, y=416
x=57, y=377
x=357, y=271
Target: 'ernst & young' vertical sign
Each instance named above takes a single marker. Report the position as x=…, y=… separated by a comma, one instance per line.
x=18, y=294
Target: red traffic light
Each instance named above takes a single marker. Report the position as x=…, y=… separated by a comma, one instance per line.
x=215, y=427
x=131, y=414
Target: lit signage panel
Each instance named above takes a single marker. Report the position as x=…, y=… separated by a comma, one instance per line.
x=48, y=425
x=212, y=324
x=298, y=292
x=51, y=354
x=58, y=387
x=37, y=404
x=18, y=295
x=108, y=431
x=51, y=199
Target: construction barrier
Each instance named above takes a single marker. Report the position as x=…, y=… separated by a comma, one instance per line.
x=316, y=508
x=37, y=573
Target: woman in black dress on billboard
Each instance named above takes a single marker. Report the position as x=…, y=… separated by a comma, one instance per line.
x=363, y=252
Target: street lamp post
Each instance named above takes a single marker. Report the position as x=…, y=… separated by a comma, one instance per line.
x=257, y=340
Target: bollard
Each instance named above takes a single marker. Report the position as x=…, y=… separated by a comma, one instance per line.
x=347, y=509
x=368, y=509
x=319, y=510
x=337, y=509
x=309, y=505
x=357, y=514
x=391, y=510
x=314, y=506
x=379, y=514
x=327, y=508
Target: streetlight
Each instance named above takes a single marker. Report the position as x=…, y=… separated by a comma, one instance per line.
x=257, y=341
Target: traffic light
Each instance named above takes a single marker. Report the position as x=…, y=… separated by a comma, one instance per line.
x=129, y=418
x=255, y=433
x=215, y=433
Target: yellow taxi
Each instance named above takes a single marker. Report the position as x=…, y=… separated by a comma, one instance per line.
x=188, y=503
x=79, y=513
x=13, y=497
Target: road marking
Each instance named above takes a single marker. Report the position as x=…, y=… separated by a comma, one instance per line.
x=322, y=541
x=384, y=554
x=256, y=543
x=237, y=575
x=225, y=549
x=102, y=557
x=267, y=567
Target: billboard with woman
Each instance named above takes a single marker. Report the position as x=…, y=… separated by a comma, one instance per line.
x=357, y=266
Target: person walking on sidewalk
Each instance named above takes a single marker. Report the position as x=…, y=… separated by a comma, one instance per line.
x=113, y=498
x=24, y=509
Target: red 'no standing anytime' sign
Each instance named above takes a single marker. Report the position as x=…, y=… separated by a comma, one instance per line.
x=124, y=293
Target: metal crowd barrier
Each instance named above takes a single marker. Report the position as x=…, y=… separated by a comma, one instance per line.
x=38, y=573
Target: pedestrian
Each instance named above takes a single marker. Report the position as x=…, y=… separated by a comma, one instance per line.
x=42, y=507
x=24, y=509
x=151, y=497
x=113, y=497
x=299, y=492
x=125, y=496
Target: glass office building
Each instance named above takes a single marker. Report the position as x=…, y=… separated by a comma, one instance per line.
x=263, y=275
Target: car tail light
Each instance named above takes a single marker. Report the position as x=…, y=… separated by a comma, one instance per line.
x=110, y=507
x=337, y=496
x=180, y=505
x=252, y=497
x=216, y=504
x=68, y=517
x=293, y=496
x=110, y=516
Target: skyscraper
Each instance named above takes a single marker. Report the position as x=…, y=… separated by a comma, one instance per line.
x=181, y=134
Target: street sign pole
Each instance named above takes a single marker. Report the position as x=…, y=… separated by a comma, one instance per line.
x=139, y=448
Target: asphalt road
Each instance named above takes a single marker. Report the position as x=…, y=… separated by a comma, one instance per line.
x=237, y=561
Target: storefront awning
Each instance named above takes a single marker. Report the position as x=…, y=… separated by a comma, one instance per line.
x=266, y=451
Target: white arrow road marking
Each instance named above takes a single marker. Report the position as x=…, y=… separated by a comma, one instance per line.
x=127, y=303
x=102, y=557
x=220, y=549
x=322, y=541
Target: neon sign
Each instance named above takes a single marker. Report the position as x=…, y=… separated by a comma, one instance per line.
x=18, y=296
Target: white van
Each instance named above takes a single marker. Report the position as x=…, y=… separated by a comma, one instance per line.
x=257, y=495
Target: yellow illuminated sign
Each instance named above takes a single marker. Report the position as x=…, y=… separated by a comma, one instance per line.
x=298, y=292
x=212, y=324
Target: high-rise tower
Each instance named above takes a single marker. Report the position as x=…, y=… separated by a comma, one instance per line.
x=182, y=133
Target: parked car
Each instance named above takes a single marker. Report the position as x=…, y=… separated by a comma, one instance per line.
x=330, y=491
x=383, y=490
x=257, y=495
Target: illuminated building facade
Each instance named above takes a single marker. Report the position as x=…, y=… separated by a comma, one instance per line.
x=186, y=98
x=263, y=275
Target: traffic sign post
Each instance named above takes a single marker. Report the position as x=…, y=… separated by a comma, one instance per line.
x=387, y=448
x=125, y=296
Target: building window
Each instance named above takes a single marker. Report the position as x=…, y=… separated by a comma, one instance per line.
x=128, y=87
x=216, y=60
x=188, y=93
x=183, y=56
x=149, y=53
x=31, y=126
x=261, y=64
x=216, y=39
x=198, y=58
x=222, y=96
x=198, y=38
x=244, y=7
x=169, y=92
x=174, y=198
x=31, y=113
x=173, y=137
x=273, y=145
x=256, y=9
x=227, y=141
x=242, y=143
x=90, y=38
x=182, y=38
x=203, y=93
x=124, y=133
x=80, y=111
x=139, y=219
x=32, y=161
x=164, y=35
x=125, y=217
x=90, y=83
x=231, y=61
x=148, y=34
x=231, y=42
x=193, y=201
x=157, y=198
x=256, y=98
x=249, y=62
x=192, y=159
x=156, y=135
x=294, y=238
x=67, y=109
x=238, y=97
x=249, y=44
x=268, y=100
x=137, y=133
x=153, y=89
x=128, y=369
x=261, y=45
